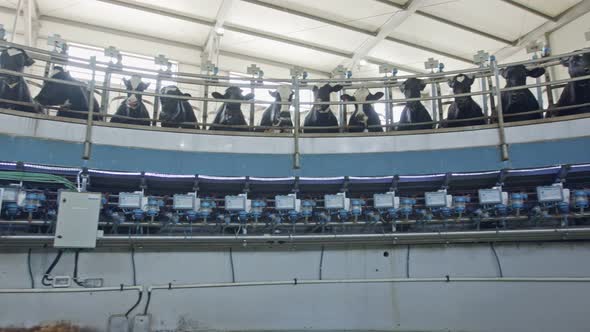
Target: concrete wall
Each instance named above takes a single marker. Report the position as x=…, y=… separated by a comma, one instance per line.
x=422, y=306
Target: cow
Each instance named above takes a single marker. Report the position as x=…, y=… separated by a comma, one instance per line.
x=321, y=115
x=230, y=113
x=519, y=101
x=276, y=114
x=133, y=108
x=68, y=97
x=578, y=92
x=14, y=87
x=463, y=108
x=364, y=118
x=176, y=113
x=414, y=111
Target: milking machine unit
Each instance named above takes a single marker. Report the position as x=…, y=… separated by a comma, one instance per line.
x=238, y=206
x=492, y=202
x=581, y=200
x=307, y=209
x=553, y=198
x=439, y=204
x=16, y=201
x=387, y=206
x=137, y=206
x=335, y=205
x=288, y=206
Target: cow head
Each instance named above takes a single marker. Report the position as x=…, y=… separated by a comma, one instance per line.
x=411, y=87
x=134, y=84
x=323, y=95
x=53, y=93
x=283, y=92
x=171, y=90
x=461, y=83
x=362, y=95
x=15, y=59
x=516, y=75
x=233, y=93
x=577, y=65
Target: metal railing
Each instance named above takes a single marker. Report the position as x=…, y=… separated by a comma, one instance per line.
x=489, y=76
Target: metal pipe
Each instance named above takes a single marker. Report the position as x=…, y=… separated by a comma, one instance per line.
x=342, y=112
x=296, y=157
x=252, y=106
x=14, y=23
x=157, y=100
x=501, y=132
x=69, y=290
x=205, y=106
x=88, y=139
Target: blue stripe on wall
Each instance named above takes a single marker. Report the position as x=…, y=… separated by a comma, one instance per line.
x=413, y=162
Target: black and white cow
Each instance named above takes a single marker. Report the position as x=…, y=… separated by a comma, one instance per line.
x=414, y=111
x=177, y=113
x=67, y=97
x=578, y=92
x=133, y=106
x=14, y=87
x=519, y=101
x=278, y=115
x=321, y=115
x=364, y=118
x=230, y=113
x=463, y=108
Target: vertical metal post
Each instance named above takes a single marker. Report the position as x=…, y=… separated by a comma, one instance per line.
x=14, y=23
x=388, y=107
x=157, y=99
x=439, y=102
x=539, y=88
x=28, y=20
x=296, y=106
x=492, y=101
x=104, y=98
x=88, y=139
x=205, y=106
x=252, y=106
x=342, y=112
x=434, y=104
x=501, y=132
x=484, y=96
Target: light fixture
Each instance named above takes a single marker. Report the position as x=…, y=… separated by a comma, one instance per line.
x=363, y=62
x=220, y=31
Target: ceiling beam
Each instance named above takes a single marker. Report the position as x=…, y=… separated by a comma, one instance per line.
x=564, y=18
x=451, y=23
x=394, y=21
x=222, y=14
x=530, y=10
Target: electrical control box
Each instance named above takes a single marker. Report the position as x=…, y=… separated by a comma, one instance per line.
x=385, y=201
x=237, y=203
x=77, y=219
x=287, y=203
x=13, y=194
x=336, y=202
x=437, y=199
x=490, y=196
x=553, y=194
x=131, y=200
x=185, y=202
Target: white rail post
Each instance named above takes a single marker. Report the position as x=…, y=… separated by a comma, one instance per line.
x=88, y=140
x=432, y=64
x=162, y=61
x=295, y=73
x=501, y=132
x=480, y=59
x=386, y=69
x=256, y=74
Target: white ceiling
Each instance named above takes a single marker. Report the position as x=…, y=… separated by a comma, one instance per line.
x=432, y=38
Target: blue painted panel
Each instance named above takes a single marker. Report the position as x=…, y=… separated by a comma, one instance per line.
x=370, y=164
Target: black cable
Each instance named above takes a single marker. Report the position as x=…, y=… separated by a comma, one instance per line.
x=47, y=275
x=136, y=303
x=497, y=259
x=321, y=261
x=231, y=262
x=30, y=269
x=408, y=263
x=147, y=303
x=133, y=266
x=76, y=269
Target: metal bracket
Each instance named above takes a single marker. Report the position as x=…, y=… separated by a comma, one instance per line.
x=502, y=177
x=296, y=185
x=196, y=183
x=394, y=183
x=345, y=184
x=246, y=185
x=562, y=174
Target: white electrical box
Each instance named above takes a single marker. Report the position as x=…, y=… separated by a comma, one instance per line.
x=437, y=199
x=490, y=196
x=184, y=202
x=77, y=219
x=287, y=203
x=336, y=202
x=130, y=200
x=385, y=201
x=237, y=203
x=552, y=194
x=13, y=194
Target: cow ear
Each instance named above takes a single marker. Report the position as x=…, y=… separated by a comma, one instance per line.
x=402, y=87
x=187, y=95
x=217, y=95
x=147, y=85
x=28, y=60
x=422, y=84
x=504, y=72
x=337, y=88
x=471, y=79
x=565, y=61
x=346, y=97
x=272, y=93
x=249, y=96
x=451, y=82
x=315, y=89
x=536, y=72
x=126, y=83
x=377, y=95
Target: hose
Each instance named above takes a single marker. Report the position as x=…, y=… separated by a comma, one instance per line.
x=133, y=266
x=76, y=269
x=36, y=177
x=136, y=304
x=47, y=275
x=30, y=269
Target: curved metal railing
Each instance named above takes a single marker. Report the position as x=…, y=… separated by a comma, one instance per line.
x=489, y=76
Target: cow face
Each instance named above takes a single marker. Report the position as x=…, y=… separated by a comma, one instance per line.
x=53, y=93
x=134, y=84
x=15, y=59
x=516, y=75
x=411, y=87
x=362, y=95
x=577, y=65
x=461, y=83
x=171, y=90
x=323, y=95
x=233, y=93
x=283, y=92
